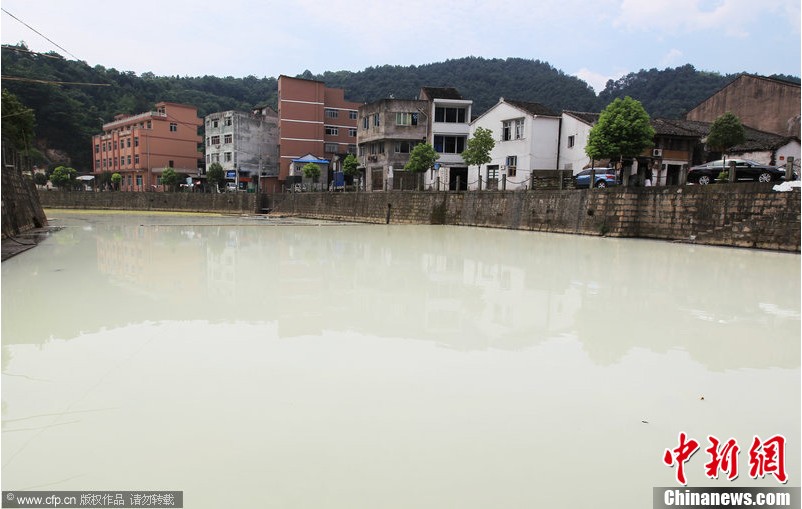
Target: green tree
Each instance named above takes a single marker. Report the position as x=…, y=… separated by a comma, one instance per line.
x=63, y=177
x=311, y=171
x=169, y=178
x=479, y=146
x=40, y=179
x=421, y=158
x=623, y=130
x=17, y=123
x=350, y=165
x=116, y=179
x=215, y=176
x=725, y=132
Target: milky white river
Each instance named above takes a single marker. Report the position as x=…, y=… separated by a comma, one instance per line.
x=253, y=362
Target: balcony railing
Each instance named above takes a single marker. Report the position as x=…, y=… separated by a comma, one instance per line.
x=133, y=118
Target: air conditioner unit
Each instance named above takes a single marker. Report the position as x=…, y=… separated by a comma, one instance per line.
x=658, y=152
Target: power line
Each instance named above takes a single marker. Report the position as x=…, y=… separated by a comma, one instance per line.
x=41, y=34
x=49, y=82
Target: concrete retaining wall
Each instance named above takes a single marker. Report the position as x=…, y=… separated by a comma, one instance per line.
x=741, y=215
x=224, y=203
x=21, y=208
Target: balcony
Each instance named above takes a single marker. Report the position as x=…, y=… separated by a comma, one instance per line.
x=133, y=119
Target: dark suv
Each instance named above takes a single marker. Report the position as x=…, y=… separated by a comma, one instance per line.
x=744, y=170
x=604, y=177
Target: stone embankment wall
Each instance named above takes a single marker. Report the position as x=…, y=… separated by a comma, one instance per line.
x=224, y=203
x=741, y=215
x=22, y=210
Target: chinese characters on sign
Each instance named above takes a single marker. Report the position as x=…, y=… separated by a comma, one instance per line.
x=766, y=457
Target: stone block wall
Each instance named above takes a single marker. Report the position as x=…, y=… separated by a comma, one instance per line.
x=22, y=210
x=224, y=203
x=741, y=215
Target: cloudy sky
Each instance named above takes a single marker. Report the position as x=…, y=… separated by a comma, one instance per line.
x=595, y=40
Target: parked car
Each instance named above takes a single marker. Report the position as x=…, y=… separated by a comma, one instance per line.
x=604, y=177
x=744, y=170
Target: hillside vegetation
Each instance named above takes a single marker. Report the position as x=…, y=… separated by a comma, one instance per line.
x=71, y=100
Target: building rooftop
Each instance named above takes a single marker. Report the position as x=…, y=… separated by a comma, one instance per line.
x=533, y=108
x=441, y=93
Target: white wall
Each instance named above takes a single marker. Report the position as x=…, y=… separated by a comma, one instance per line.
x=537, y=149
x=573, y=158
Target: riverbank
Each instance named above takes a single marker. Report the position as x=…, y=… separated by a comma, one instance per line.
x=747, y=215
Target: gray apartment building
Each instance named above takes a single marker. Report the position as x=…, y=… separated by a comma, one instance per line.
x=245, y=144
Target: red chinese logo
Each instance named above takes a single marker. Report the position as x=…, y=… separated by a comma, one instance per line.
x=680, y=455
x=765, y=457
x=768, y=457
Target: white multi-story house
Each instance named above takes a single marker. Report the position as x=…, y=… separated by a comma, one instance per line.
x=245, y=145
x=574, y=133
x=449, y=118
x=526, y=136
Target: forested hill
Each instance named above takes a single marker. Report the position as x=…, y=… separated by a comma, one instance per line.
x=482, y=80
x=68, y=114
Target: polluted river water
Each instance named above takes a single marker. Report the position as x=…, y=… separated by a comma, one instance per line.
x=263, y=362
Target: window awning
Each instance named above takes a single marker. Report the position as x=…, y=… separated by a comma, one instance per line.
x=308, y=159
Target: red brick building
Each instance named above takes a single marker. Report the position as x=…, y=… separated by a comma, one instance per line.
x=313, y=119
x=139, y=147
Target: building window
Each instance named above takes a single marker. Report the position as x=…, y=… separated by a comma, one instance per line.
x=97, y=163
x=148, y=124
x=170, y=164
x=352, y=149
x=406, y=118
x=173, y=127
x=97, y=148
x=208, y=158
x=330, y=113
x=571, y=141
x=227, y=157
x=449, y=115
x=352, y=115
x=512, y=129
x=215, y=123
x=449, y=144
x=129, y=160
x=216, y=140
x=228, y=121
x=512, y=165
x=215, y=158
x=330, y=148
x=115, y=144
x=404, y=147
x=332, y=131
x=122, y=161
x=492, y=171
x=136, y=158
x=128, y=142
x=352, y=133
x=364, y=122
x=136, y=141
x=138, y=180
x=376, y=120
x=228, y=138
